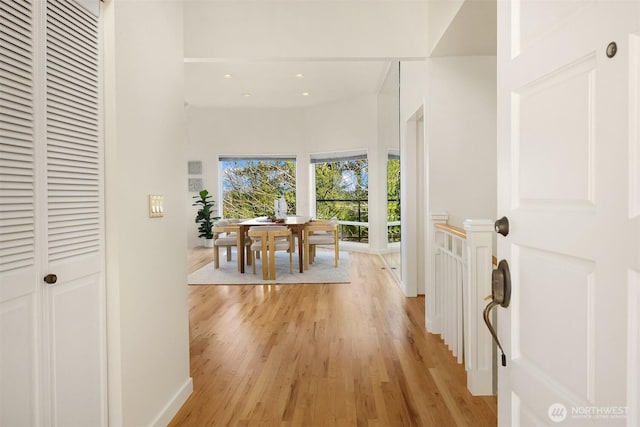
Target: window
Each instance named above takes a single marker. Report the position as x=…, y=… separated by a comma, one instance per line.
x=250, y=185
x=342, y=191
x=393, y=197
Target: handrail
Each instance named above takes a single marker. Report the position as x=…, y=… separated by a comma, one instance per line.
x=452, y=230
x=460, y=233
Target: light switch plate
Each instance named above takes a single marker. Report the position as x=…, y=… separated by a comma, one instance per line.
x=156, y=206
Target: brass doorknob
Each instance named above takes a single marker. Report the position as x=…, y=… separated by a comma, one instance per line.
x=50, y=279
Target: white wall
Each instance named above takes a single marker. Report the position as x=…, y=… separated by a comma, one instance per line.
x=341, y=126
x=413, y=88
x=336, y=127
x=457, y=97
x=344, y=126
x=472, y=31
x=305, y=29
x=219, y=131
x=147, y=310
x=388, y=139
x=460, y=120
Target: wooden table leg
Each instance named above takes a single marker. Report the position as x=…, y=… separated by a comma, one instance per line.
x=242, y=230
x=300, y=248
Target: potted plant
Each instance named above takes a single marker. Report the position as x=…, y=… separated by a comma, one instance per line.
x=204, y=217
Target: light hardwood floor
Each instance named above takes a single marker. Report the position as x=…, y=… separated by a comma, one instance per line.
x=394, y=262
x=313, y=355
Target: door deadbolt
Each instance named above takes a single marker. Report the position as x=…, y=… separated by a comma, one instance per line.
x=50, y=279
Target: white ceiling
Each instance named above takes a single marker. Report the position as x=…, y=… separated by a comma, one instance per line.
x=274, y=84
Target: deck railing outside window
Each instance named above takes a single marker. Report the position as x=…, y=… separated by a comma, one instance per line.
x=393, y=220
x=353, y=216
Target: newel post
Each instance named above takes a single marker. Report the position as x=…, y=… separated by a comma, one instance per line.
x=478, y=344
x=433, y=295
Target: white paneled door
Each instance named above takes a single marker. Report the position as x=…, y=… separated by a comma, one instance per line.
x=568, y=182
x=52, y=333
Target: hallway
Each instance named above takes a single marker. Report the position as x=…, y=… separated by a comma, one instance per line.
x=310, y=355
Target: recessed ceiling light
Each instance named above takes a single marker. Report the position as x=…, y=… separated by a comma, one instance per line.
x=246, y=94
x=305, y=93
x=299, y=75
x=228, y=76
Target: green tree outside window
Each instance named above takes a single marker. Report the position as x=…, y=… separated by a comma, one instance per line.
x=393, y=199
x=250, y=186
x=342, y=191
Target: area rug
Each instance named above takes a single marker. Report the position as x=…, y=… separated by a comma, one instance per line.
x=321, y=271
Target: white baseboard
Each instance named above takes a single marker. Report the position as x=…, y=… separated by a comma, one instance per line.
x=391, y=248
x=175, y=403
x=357, y=247
x=391, y=271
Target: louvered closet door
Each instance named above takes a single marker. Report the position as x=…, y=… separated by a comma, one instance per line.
x=18, y=264
x=52, y=336
x=75, y=315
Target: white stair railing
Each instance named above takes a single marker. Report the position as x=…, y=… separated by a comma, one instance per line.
x=479, y=354
x=461, y=263
x=451, y=266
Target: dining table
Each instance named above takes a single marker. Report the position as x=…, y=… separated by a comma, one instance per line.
x=294, y=223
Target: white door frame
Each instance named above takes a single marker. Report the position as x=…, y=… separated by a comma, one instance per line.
x=413, y=155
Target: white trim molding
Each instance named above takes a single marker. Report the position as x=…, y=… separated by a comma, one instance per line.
x=174, y=404
x=633, y=349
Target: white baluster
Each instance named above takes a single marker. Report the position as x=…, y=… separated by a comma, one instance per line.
x=433, y=289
